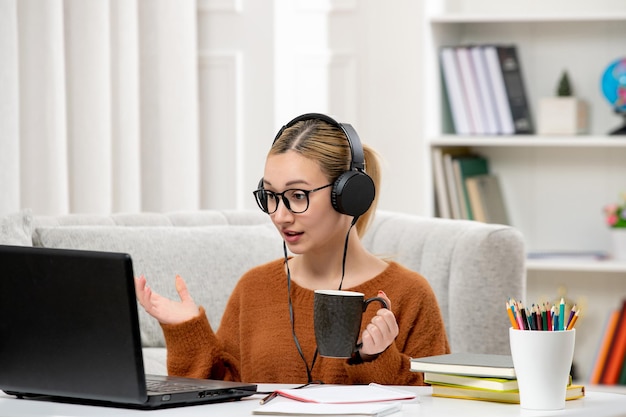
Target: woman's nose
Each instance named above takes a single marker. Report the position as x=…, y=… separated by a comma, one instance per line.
x=282, y=212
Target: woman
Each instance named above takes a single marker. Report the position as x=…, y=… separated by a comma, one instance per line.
x=315, y=189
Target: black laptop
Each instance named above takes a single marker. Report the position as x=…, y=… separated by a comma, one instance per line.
x=69, y=330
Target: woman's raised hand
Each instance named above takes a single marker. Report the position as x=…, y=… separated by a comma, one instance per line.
x=163, y=309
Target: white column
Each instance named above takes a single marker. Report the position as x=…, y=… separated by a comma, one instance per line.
x=125, y=127
x=169, y=104
x=9, y=109
x=43, y=160
x=89, y=104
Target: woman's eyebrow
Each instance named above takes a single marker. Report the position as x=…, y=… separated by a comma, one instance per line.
x=290, y=183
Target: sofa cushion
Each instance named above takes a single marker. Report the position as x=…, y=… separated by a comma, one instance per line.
x=210, y=259
x=15, y=228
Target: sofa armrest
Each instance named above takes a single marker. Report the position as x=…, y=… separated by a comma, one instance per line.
x=472, y=267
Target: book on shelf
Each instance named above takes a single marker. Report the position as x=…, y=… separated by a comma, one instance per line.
x=466, y=166
x=472, y=364
x=439, y=182
x=485, y=89
x=475, y=107
x=604, y=345
x=454, y=197
x=486, y=199
x=573, y=392
x=617, y=351
x=501, y=101
x=512, y=77
x=442, y=195
x=454, y=90
x=483, y=382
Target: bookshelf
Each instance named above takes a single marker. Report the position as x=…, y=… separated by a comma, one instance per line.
x=554, y=186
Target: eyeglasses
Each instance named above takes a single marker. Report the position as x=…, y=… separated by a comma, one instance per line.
x=295, y=200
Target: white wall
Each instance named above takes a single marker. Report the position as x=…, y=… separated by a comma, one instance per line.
x=263, y=62
x=388, y=40
x=160, y=105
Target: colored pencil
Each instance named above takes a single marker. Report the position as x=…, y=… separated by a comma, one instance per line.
x=541, y=316
x=511, y=317
x=572, y=322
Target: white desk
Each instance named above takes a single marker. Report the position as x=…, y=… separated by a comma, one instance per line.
x=596, y=404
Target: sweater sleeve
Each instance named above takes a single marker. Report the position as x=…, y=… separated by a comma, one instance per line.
x=193, y=350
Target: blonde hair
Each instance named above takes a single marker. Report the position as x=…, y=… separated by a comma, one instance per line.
x=327, y=144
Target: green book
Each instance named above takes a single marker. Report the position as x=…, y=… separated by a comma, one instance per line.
x=465, y=167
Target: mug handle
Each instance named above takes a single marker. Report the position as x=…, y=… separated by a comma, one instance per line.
x=365, y=304
x=381, y=300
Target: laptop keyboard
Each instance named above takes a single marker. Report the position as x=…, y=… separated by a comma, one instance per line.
x=170, y=386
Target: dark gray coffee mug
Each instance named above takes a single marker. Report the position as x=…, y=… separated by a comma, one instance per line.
x=337, y=319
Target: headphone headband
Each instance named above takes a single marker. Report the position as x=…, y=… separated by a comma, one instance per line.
x=357, y=156
x=353, y=191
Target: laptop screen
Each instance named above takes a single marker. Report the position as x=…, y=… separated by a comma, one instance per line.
x=69, y=325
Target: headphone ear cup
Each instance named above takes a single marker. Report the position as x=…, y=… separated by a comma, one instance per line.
x=353, y=193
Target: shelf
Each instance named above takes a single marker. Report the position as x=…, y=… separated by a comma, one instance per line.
x=616, y=389
x=554, y=186
x=531, y=141
x=576, y=265
x=454, y=18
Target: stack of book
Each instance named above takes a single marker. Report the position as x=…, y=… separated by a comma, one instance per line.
x=485, y=90
x=473, y=376
x=465, y=188
x=610, y=364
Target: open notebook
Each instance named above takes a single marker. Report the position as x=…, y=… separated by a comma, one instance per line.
x=69, y=329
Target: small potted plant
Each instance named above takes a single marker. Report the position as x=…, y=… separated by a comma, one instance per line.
x=615, y=218
x=563, y=114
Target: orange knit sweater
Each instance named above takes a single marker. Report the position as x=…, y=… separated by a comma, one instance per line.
x=254, y=342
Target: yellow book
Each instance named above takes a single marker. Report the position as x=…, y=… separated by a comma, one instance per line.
x=495, y=384
x=573, y=392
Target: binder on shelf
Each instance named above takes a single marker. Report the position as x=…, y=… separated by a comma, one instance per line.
x=454, y=91
x=485, y=89
x=511, y=70
x=475, y=107
x=505, y=118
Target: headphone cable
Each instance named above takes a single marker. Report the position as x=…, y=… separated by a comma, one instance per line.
x=291, y=314
x=293, y=323
x=345, y=251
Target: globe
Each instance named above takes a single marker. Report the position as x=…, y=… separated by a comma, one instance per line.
x=613, y=85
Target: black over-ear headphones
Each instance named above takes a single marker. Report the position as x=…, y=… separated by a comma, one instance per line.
x=353, y=191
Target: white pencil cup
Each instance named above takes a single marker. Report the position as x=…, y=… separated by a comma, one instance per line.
x=542, y=361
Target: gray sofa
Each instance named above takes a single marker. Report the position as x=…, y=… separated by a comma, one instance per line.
x=473, y=267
